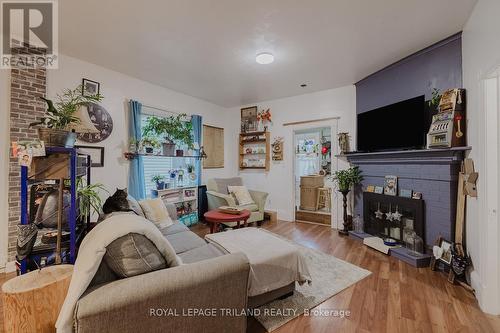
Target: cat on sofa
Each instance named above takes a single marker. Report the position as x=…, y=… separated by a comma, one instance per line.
x=117, y=202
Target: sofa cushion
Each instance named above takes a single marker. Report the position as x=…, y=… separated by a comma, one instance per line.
x=133, y=254
x=156, y=211
x=184, y=241
x=223, y=183
x=251, y=207
x=204, y=252
x=174, y=228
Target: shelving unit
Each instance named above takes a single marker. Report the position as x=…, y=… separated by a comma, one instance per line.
x=254, y=151
x=59, y=163
x=186, y=201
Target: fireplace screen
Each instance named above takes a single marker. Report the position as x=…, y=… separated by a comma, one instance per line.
x=393, y=216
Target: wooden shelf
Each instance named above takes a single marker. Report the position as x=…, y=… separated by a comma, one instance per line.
x=264, y=138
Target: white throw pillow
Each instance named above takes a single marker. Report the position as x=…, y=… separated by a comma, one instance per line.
x=156, y=211
x=241, y=194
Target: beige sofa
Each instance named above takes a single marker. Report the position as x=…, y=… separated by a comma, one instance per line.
x=160, y=301
x=217, y=195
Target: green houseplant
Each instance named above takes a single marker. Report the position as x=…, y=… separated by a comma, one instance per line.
x=90, y=199
x=149, y=143
x=158, y=180
x=61, y=114
x=175, y=130
x=345, y=180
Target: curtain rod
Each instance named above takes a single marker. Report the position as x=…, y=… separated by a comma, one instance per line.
x=163, y=110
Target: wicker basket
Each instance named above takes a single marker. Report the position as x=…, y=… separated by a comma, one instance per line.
x=308, y=197
x=53, y=137
x=312, y=181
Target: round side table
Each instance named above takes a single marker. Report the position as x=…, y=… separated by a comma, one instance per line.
x=32, y=301
x=214, y=217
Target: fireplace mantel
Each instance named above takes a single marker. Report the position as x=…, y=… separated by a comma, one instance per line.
x=422, y=156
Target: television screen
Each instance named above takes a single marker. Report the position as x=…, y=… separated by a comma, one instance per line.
x=393, y=127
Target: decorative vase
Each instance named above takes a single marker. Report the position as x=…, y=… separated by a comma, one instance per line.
x=168, y=148
x=179, y=152
x=149, y=150
x=160, y=185
x=347, y=224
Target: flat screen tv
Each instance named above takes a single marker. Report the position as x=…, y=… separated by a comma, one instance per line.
x=398, y=126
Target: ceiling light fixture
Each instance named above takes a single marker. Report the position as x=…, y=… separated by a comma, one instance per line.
x=264, y=58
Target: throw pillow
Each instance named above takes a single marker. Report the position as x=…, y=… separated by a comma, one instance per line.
x=155, y=211
x=224, y=183
x=134, y=205
x=132, y=255
x=241, y=194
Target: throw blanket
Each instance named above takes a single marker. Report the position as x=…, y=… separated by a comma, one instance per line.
x=274, y=262
x=92, y=251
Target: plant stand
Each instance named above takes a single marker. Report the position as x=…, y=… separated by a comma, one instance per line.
x=345, y=231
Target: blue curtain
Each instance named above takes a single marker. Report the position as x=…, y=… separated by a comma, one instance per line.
x=196, y=121
x=136, y=183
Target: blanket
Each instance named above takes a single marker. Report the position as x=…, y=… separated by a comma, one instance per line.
x=92, y=251
x=274, y=263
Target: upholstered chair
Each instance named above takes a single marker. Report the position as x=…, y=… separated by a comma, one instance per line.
x=218, y=195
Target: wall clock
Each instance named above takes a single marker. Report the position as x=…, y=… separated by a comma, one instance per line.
x=102, y=121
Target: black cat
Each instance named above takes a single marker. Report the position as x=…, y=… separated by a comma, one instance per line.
x=117, y=202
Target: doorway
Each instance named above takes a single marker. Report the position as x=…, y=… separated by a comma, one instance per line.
x=312, y=169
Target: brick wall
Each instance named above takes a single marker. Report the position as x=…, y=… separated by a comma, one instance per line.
x=26, y=85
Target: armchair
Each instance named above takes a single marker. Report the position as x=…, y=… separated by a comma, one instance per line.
x=217, y=195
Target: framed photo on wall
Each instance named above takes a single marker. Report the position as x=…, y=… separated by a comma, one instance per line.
x=249, y=119
x=96, y=155
x=90, y=87
x=391, y=185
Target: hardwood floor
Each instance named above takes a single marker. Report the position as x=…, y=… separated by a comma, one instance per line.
x=395, y=298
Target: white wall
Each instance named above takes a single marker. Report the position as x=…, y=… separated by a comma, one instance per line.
x=117, y=89
x=340, y=102
x=4, y=162
x=481, y=55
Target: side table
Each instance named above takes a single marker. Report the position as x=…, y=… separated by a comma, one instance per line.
x=32, y=301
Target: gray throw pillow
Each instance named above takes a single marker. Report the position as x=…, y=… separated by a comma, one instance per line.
x=134, y=205
x=133, y=254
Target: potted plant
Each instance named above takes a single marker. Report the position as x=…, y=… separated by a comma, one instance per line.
x=175, y=130
x=190, y=170
x=90, y=200
x=345, y=180
x=60, y=115
x=158, y=179
x=150, y=143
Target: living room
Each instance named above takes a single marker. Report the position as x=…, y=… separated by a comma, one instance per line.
x=153, y=153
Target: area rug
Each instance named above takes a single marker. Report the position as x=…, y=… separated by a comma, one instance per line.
x=330, y=276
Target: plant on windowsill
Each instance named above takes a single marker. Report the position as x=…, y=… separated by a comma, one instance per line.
x=175, y=130
x=149, y=143
x=61, y=115
x=158, y=180
x=345, y=180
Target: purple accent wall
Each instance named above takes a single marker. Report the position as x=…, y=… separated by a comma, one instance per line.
x=437, y=66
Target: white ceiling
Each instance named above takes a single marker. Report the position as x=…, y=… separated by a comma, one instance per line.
x=207, y=48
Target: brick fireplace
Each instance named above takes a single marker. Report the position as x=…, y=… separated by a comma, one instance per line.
x=434, y=173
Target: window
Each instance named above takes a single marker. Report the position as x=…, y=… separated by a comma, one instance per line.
x=159, y=165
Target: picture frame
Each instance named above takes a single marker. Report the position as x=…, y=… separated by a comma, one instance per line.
x=370, y=188
x=446, y=246
x=96, y=154
x=249, y=119
x=405, y=193
x=90, y=88
x=391, y=185
x=379, y=190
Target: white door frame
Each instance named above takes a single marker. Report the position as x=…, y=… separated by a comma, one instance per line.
x=488, y=183
x=336, y=200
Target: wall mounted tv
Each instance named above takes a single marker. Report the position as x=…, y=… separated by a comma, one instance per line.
x=397, y=126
